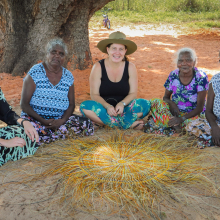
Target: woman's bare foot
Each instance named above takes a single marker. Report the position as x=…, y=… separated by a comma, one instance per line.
x=138, y=125
x=97, y=125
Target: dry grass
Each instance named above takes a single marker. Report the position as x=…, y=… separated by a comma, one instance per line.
x=127, y=173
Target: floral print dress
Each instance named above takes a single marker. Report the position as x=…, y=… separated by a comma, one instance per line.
x=185, y=97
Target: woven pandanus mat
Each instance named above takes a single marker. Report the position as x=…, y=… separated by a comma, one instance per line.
x=128, y=172
x=122, y=162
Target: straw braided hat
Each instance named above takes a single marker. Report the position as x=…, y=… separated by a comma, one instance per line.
x=117, y=38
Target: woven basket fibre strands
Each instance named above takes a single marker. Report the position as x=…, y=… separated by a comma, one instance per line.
x=128, y=172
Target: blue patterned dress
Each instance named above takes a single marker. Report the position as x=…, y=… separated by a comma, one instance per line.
x=50, y=102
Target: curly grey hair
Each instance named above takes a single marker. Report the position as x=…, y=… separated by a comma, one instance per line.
x=186, y=50
x=54, y=42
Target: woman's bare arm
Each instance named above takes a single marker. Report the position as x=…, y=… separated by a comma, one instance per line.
x=215, y=130
x=27, y=92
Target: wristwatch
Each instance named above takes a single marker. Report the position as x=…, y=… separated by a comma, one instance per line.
x=123, y=103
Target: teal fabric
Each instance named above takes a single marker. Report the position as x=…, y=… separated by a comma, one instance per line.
x=9, y=132
x=125, y=120
x=15, y=153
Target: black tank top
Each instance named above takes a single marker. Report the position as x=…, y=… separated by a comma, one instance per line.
x=114, y=92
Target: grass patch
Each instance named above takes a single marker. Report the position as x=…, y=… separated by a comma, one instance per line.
x=184, y=18
x=165, y=5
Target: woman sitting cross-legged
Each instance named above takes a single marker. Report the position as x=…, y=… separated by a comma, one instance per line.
x=18, y=139
x=48, y=98
x=208, y=130
x=188, y=87
x=113, y=87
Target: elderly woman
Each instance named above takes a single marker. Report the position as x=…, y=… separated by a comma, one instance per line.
x=188, y=87
x=48, y=99
x=113, y=87
x=208, y=130
x=17, y=140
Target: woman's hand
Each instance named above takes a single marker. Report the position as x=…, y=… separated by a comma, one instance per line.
x=111, y=110
x=211, y=117
x=174, y=121
x=14, y=142
x=119, y=108
x=55, y=123
x=174, y=109
x=215, y=132
x=30, y=131
x=47, y=122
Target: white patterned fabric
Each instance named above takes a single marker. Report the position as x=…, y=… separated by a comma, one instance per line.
x=216, y=88
x=201, y=127
x=49, y=101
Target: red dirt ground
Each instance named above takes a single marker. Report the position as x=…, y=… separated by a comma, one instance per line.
x=154, y=60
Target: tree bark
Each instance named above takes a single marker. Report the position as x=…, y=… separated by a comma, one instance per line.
x=27, y=26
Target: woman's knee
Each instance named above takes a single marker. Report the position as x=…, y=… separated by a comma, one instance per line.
x=88, y=112
x=140, y=114
x=144, y=105
x=86, y=105
x=92, y=116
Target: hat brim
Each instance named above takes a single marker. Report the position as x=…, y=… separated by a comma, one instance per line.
x=131, y=46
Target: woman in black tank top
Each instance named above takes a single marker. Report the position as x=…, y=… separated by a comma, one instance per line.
x=113, y=87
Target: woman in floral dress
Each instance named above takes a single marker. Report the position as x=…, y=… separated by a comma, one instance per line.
x=188, y=87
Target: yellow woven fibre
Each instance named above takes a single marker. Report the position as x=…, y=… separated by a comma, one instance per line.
x=128, y=171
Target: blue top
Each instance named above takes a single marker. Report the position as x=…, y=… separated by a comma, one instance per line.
x=185, y=96
x=49, y=101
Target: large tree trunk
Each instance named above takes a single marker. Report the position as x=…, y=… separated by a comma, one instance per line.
x=27, y=25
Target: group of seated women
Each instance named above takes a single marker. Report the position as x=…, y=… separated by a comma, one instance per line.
x=48, y=100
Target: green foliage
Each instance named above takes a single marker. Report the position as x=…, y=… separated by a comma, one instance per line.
x=165, y=5
x=183, y=18
x=191, y=13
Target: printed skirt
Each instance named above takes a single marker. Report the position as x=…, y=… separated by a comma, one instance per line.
x=15, y=153
x=160, y=117
x=74, y=125
x=201, y=129
x=125, y=120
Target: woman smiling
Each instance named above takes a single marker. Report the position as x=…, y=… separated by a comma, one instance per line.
x=113, y=87
x=188, y=87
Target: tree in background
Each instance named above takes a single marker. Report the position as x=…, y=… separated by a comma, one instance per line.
x=27, y=25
